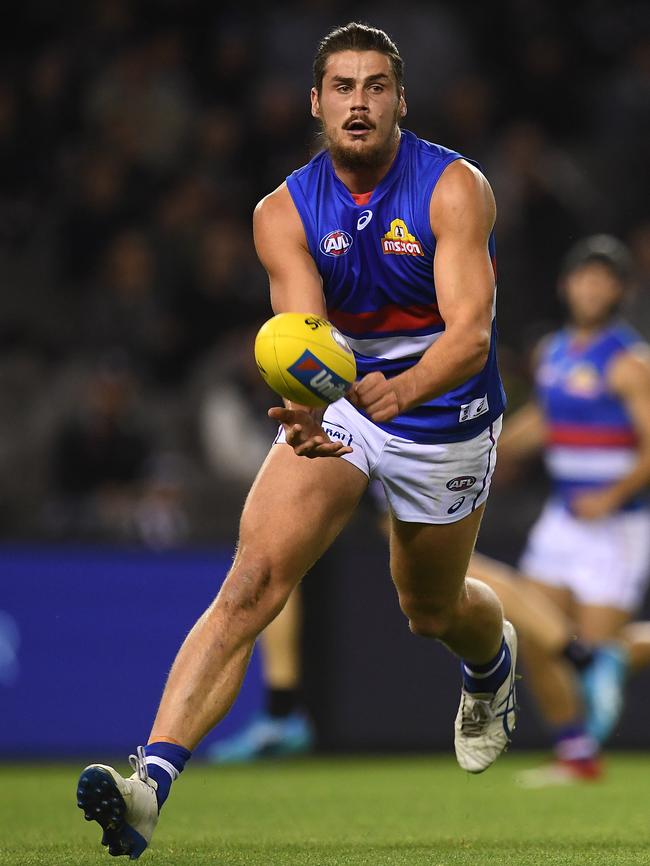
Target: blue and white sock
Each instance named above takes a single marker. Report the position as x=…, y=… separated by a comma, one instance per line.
x=165, y=762
x=488, y=677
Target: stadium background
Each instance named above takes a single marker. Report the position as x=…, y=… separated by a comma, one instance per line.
x=135, y=138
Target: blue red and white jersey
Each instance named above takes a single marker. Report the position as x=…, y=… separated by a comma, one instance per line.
x=376, y=262
x=591, y=441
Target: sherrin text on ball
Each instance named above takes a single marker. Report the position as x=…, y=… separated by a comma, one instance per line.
x=304, y=358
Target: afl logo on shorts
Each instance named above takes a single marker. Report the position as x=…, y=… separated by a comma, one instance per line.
x=463, y=482
x=336, y=243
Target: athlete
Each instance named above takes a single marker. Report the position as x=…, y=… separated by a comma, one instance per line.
x=391, y=238
x=589, y=552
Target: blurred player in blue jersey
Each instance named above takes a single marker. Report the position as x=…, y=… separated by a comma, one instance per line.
x=589, y=551
x=390, y=237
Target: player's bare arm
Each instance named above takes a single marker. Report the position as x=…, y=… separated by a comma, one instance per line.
x=462, y=213
x=295, y=286
x=629, y=378
x=523, y=432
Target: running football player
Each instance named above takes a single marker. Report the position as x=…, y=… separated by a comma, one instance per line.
x=589, y=552
x=390, y=237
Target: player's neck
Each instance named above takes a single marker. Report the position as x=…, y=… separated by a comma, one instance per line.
x=584, y=333
x=362, y=179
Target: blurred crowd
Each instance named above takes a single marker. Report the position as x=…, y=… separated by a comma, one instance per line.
x=135, y=140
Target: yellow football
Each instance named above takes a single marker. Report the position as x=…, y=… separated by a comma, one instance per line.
x=304, y=358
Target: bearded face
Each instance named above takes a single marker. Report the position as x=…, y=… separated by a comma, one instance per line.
x=359, y=106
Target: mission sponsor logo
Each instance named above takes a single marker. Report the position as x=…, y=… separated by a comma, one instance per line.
x=398, y=241
x=336, y=243
x=318, y=378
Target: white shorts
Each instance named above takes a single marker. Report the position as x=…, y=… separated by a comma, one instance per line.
x=603, y=562
x=439, y=483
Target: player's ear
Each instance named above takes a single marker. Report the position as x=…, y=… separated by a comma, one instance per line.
x=402, y=104
x=315, y=103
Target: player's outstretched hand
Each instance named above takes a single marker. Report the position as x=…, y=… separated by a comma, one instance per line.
x=305, y=434
x=377, y=396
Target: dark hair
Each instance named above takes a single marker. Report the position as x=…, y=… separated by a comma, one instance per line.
x=356, y=37
x=600, y=249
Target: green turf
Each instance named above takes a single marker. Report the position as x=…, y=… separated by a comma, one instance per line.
x=379, y=812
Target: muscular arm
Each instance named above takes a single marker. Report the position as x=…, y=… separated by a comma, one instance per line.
x=629, y=377
x=462, y=213
x=296, y=286
x=523, y=433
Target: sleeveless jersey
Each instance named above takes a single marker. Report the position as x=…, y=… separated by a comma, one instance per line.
x=591, y=442
x=376, y=263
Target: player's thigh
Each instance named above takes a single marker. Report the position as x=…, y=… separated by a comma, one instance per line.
x=560, y=596
x=597, y=624
x=296, y=508
x=429, y=561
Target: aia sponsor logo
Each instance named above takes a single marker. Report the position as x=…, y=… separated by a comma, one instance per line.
x=398, y=241
x=463, y=482
x=336, y=243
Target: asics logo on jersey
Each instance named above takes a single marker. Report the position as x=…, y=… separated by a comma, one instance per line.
x=399, y=241
x=336, y=243
x=364, y=218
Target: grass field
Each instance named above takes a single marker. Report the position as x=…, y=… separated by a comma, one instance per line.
x=356, y=811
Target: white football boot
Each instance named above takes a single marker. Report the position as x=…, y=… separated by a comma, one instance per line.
x=125, y=809
x=485, y=722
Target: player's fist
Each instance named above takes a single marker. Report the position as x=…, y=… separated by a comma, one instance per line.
x=377, y=396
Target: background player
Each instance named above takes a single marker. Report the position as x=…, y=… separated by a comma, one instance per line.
x=589, y=551
x=414, y=292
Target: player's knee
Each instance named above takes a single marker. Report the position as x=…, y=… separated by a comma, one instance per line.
x=256, y=589
x=429, y=626
x=428, y=620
